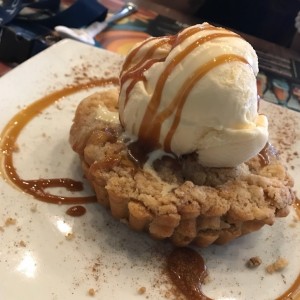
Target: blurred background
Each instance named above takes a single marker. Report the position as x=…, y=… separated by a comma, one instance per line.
x=271, y=20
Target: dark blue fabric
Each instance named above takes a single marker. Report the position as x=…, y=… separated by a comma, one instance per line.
x=81, y=13
x=11, y=8
x=22, y=36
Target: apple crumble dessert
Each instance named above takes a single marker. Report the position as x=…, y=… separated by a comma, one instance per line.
x=179, y=149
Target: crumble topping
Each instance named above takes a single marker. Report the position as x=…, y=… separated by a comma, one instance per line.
x=178, y=199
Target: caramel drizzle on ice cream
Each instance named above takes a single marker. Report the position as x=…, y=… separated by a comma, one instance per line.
x=161, y=41
x=148, y=55
x=136, y=73
x=149, y=131
x=180, y=99
x=134, y=52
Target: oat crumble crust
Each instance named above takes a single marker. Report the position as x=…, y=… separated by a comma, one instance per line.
x=177, y=199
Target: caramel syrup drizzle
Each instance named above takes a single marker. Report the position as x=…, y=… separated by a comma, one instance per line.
x=150, y=127
x=37, y=187
x=146, y=57
x=132, y=54
x=151, y=117
x=136, y=73
x=187, y=270
x=181, y=97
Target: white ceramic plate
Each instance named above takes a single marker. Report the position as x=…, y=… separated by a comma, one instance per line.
x=38, y=262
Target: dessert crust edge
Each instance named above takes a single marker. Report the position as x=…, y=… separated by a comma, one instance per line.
x=203, y=206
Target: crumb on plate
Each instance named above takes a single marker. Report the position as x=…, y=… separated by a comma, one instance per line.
x=70, y=236
x=142, y=290
x=277, y=266
x=22, y=244
x=10, y=221
x=91, y=292
x=254, y=262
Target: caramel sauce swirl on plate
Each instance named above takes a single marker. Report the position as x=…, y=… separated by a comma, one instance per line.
x=8, y=138
x=187, y=271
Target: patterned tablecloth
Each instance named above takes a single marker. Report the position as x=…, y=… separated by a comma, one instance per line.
x=122, y=36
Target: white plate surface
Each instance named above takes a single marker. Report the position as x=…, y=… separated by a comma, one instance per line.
x=38, y=262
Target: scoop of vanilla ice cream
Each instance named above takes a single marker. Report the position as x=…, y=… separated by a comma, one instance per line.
x=194, y=92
